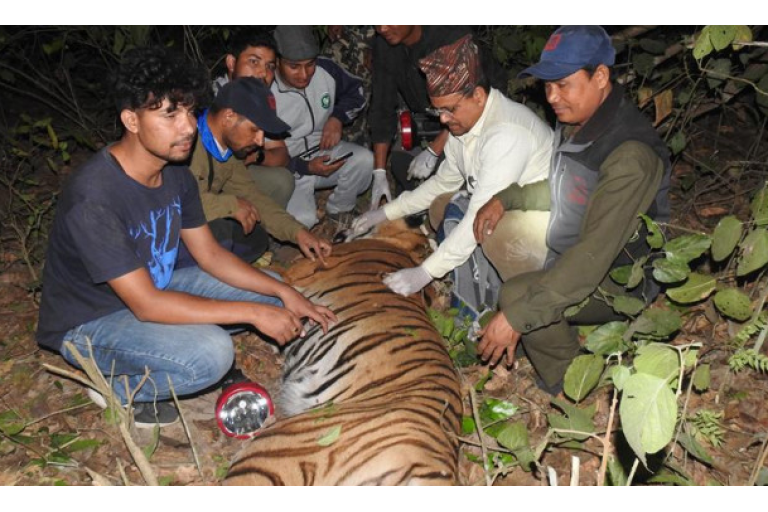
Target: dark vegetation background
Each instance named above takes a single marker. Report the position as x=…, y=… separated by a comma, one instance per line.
x=55, y=110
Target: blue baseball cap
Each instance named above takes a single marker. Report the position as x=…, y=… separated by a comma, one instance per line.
x=571, y=48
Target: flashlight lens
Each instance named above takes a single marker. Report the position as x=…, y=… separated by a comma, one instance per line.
x=244, y=412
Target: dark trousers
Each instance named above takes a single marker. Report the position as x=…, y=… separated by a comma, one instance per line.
x=229, y=234
x=552, y=348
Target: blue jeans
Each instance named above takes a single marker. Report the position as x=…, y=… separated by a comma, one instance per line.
x=194, y=356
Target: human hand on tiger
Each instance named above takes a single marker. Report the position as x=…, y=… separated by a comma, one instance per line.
x=422, y=164
x=280, y=324
x=498, y=337
x=300, y=306
x=487, y=218
x=408, y=281
x=313, y=246
x=367, y=221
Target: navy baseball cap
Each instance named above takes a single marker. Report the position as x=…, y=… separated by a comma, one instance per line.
x=252, y=99
x=571, y=48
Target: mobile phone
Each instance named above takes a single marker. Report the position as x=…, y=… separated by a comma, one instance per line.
x=340, y=158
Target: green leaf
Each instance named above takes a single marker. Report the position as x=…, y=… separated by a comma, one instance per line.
x=720, y=70
x=330, y=437
x=150, y=449
x=575, y=419
x=697, y=288
x=658, y=360
x=621, y=274
x=677, y=143
x=493, y=410
x=514, y=436
x=653, y=46
x=666, y=476
x=638, y=272
x=657, y=322
x=721, y=35
x=754, y=252
x=52, y=135
x=743, y=33
x=582, y=376
x=655, y=238
x=689, y=443
x=701, y=378
x=759, y=204
x=619, y=376
x=607, y=339
x=617, y=475
x=670, y=271
x=119, y=44
x=734, y=303
x=648, y=414
x=703, y=46
x=468, y=425
x=629, y=306
x=82, y=444
x=726, y=237
x=687, y=248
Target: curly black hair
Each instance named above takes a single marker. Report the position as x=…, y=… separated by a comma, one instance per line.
x=248, y=37
x=147, y=76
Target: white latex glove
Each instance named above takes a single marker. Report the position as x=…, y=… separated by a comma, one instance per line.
x=408, y=281
x=367, y=221
x=422, y=165
x=380, y=188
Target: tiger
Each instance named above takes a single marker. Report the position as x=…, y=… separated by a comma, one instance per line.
x=376, y=400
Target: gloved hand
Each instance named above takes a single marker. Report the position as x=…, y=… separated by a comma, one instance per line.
x=422, y=165
x=408, y=281
x=380, y=188
x=367, y=221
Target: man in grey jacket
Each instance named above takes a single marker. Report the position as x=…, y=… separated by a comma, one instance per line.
x=316, y=97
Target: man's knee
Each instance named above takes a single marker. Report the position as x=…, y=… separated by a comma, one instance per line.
x=212, y=356
x=275, y=182
x=518, y=244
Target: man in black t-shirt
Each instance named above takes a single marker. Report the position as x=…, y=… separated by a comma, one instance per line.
x=109, y=277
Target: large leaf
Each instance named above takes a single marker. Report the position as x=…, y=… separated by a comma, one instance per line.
x=514, y=437
x=754, y=252
x=607, y=339
x=582, y=376
x=703, y=46
x=574, y=419
x=648, y=414
x=720, y=70
x=670, y=271
x=726, y=236
x=658, y=360
x=697, y=288
x=657, y=322
x=629, y=306
x=687, y=247
x=689, y=443
x=621, y=274
x=721, y=35
x=743, y=34
x=493, y=410
x=734, y=303
x=619, y=376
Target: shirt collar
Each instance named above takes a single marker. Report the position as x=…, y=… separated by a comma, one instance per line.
x=477, y=130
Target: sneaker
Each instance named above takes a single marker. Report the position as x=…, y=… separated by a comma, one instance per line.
x=147, y=415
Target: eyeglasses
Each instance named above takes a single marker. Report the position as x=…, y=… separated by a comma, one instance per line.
x=447, y=111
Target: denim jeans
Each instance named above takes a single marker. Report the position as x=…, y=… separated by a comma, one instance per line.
x=193, y=356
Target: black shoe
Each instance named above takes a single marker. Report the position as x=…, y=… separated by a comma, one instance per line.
x=233, y=376
x=147, y=415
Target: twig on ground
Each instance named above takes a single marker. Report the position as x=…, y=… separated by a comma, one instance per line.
x=759, y=464
x=633, y=471
x=186, y=429
x=476, y=416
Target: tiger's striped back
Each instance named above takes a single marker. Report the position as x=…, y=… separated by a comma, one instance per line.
x=389, y=387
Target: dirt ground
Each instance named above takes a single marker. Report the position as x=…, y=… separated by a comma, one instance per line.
x=51, y=434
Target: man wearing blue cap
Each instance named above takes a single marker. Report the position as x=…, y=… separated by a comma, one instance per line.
x=238, y=210
x=111, y=289
x=608, y=166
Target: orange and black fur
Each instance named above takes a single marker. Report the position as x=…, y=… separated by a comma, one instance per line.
x=374, y=401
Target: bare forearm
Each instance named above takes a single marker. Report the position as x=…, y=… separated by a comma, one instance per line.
x=380, y=151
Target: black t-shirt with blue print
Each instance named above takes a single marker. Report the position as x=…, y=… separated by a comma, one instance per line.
x=107, y=225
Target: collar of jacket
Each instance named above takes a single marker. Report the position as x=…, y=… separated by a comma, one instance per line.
x=602, y=118
x=283, y=87
x=477, y=129
x=209, y=141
